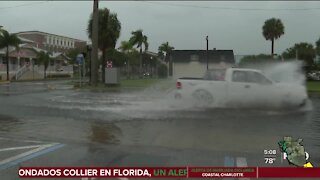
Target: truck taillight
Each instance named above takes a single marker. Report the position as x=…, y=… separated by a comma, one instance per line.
x=179, y=85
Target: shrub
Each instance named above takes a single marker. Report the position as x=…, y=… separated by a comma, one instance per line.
x=59, y=76
x=162, y=71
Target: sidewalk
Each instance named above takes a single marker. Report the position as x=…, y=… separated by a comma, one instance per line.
x=4, y=82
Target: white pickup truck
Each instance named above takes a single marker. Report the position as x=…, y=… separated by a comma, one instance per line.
x=240, y=88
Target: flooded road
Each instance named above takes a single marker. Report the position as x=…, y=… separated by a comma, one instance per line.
x=146, y=128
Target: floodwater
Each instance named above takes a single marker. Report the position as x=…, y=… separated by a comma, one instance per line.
x=149, y=119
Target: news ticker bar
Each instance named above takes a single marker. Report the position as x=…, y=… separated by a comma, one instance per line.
x=168, y=172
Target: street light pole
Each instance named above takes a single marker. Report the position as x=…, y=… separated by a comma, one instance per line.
x=207, y=52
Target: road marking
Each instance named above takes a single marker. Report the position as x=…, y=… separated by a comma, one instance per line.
x=19, y=148
x=43, y=149
x=242, y=162
x=228, y=162
x=32, y=141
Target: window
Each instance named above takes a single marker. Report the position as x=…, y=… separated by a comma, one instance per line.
x=250, y=77
x=258, y=78
x=239, y=76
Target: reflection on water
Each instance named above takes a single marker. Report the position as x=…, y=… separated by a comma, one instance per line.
x=104, y=133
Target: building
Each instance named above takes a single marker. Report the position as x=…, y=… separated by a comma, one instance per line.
x=24, y=59
x=51, y=42
x=193, y=63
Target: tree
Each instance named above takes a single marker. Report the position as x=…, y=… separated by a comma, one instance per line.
x=126, y=47
x=162, y=71
x=164, y=51
x=6, y=40
x=139, y=39
x=44, y=58
x=318, y=47
x=118, y=58
x=108, y=32
x=304, y=51
x=256, y=60
x=272, y=30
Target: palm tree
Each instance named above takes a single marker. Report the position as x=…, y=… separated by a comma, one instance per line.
x=139, y=39
x=108, y=32
x=272, y=30
x=164, y=52
x=126, y=47
x=6, y=40
x=44, y=58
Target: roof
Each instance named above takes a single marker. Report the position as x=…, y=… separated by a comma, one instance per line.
x=25, y=40
x=40, y=32
x=216, y=56
x=57, y=54
x=151, y=53
x=37, y=50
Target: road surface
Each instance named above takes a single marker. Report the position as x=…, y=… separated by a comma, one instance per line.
x=51, y=124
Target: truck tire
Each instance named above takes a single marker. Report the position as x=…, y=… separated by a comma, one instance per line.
x=202, y=98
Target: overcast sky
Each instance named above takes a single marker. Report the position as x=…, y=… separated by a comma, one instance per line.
x=184, y=24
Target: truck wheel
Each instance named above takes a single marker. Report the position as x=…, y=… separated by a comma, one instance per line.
x=203, y=98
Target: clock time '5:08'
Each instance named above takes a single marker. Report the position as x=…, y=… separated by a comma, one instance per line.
x=270, y=152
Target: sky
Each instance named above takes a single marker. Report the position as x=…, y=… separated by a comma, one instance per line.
x=235, y=25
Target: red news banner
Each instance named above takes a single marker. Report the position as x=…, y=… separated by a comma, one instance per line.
x=168, y=172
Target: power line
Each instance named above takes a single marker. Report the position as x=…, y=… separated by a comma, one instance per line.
x=22, y=5
x=230, y=8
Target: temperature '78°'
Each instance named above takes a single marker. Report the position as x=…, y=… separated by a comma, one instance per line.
x=269, y=160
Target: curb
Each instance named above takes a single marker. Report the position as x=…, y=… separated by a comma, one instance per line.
x=4, y=82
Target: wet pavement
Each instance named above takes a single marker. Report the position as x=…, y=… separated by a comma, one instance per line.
x=51, y=124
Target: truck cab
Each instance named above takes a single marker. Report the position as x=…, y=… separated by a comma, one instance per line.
x=238, y=87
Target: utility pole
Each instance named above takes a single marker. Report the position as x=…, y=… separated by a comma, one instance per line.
x=94, y=55
x=296, y=55
x=207, y=52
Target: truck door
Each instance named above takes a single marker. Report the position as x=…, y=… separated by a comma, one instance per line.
x=247, y=89
x=266, y=94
